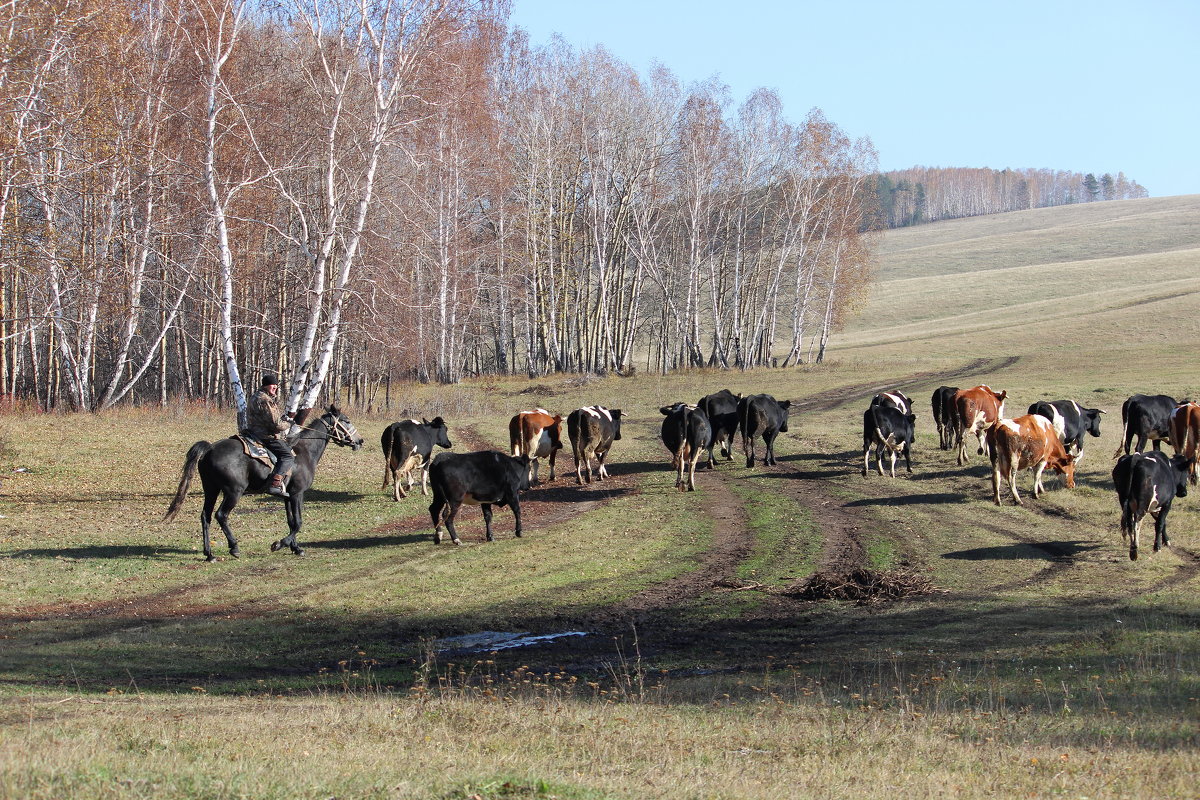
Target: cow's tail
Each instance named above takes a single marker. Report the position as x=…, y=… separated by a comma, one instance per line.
x=1124, y=429
x=387, y=458
x=199, y=449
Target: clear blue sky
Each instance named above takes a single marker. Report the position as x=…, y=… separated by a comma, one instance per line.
x=1096, y=86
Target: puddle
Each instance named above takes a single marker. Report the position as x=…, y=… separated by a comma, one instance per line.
x=486, y=641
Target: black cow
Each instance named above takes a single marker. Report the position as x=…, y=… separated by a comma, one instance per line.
x=1071, y=421
x=721, y=408
x=762, y=415
x=1148, y=416
x=484, y=479
x=944, y=415
x=889, y=430
x=1146, y=484
x=687, y=433
x=592, y=430
x=408, y=445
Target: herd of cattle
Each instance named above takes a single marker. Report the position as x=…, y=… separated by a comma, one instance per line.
x=1050, y=435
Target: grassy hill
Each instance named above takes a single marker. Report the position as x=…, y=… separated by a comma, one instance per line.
x=1042, y=661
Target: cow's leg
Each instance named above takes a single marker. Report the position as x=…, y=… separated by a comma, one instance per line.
x=1160, y=530
x=1014, y=470
x=748, y=448
x=601, y=470
x=533, y=471
x=695, y=456
x=435, y=514
x=425, y=475
x=866, y=457
x=553, y=454
x=1038, y=488
x=1135, y=537
x=908, y=456
x=387, y=472
x=680, y=464
x=769, y=440
x=892, y=466
x=451, y=513
x=229, y=500
x=515, y=504
x=961, y=444
x=996, y=482
x=578, y=467
x=487, y=521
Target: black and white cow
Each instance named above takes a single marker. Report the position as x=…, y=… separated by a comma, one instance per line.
x=484, y=479
x=1147, y=416
x=592, y=430
x=1146, y=484
x=893, y=399
x=762, y=415
x=721, y=408
x=889, y=430
x=944, y=415
x=687, y=433
x=407, y=446
x=1071, y=421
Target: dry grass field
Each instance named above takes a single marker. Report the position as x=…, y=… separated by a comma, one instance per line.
x=1028, y=656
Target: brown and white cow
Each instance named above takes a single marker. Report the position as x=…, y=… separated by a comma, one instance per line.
x=1028, y=442
x=536, y=434
x=1184, y=430
x=976, y=409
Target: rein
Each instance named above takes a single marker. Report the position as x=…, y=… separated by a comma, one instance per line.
x=337, y=429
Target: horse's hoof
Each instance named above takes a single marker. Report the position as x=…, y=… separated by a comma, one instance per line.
x=210, y=559
x=275, y=546
x=297, y=551
x=458, y=542
x=234, y=553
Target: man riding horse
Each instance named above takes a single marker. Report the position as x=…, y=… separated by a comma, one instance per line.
x=266, y=421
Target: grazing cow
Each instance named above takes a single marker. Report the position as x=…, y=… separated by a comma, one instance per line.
x=1071, y=421
x=1147, y=483
x=407, y=446
x=975, y=410
x=889, y=430
x=895, y=400
x=721, y=409
x=484, y=479
x=1148, y=416
x=1028, y=442
x=762, y=415
x=1184, y=427
x=944, y=414
x=537, y=434
x=687, y=433
x=592, y=430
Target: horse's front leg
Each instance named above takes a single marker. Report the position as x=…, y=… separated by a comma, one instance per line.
x=293, y=505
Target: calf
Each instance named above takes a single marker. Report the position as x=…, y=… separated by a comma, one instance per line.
x=1147, y=417
x=592, y=430
x=484, y=479
x=1147, y=483
x=1071, y=421
x=975, y=410
x=721, y=408
x=944, y=414
x=1028, y=442
x=887, y=429
x=1184, y=425
x=762, y=415
x=687, y=433
x=407, y=446
x=536, y=434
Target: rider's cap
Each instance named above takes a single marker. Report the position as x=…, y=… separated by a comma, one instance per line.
x=270, y=379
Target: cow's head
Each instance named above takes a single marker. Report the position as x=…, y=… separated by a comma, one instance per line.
x=521, y=465
x=554, y=429
x=1065, y=466
x=784, y=406
x=1091, y=420
x=441, y=434
x=616, y=420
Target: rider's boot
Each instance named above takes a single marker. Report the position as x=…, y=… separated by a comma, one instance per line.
x=276, y=487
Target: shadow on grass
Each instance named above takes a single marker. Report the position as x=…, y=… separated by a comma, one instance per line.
x=101, y=551
x=932, y=498
x=1020, y=551
x=361, y=542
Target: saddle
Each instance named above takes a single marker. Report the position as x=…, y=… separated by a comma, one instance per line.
x=253, y=448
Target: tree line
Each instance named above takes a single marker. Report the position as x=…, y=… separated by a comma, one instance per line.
x=357, y=192
x=928, y=194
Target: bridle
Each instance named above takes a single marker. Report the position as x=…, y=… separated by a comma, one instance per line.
x=342, y=432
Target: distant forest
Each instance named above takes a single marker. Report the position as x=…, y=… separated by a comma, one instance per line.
x=928, y=194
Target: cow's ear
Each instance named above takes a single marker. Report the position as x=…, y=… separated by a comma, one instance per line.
x=786, y=404
x=616, y=413
x=665, y=410
x=424, y=421
x=912, y=417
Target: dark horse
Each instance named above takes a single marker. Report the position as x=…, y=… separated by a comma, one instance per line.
x=225, y=467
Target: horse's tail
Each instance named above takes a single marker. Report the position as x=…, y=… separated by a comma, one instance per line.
x=185, y=480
